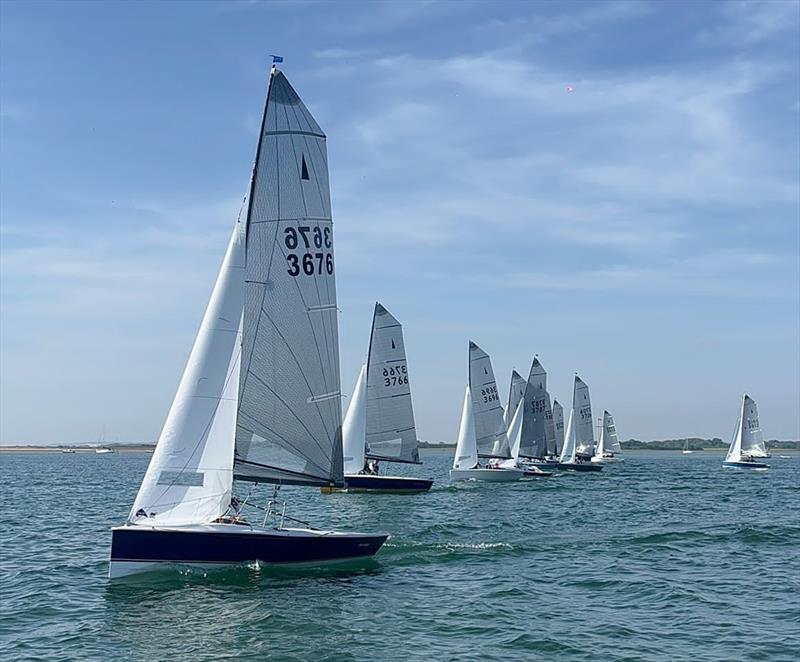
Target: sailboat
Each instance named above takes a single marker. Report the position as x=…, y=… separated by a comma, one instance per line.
x=379, y=424
x=608, y=448
x=259, y=400
x=747, y=440
x=538, y=433
x=578, y=446
x=686, y=450
x=483, y=432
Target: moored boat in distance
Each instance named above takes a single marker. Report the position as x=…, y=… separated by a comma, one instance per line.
x=747, y=440
x=379, y=424
x=578, y=446
x=482, y=432
x=259, y=400
x=686, y=450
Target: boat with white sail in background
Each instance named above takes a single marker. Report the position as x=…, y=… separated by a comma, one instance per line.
x=608, y=448
x=259, y=400
x=748, y=440
x=538, y=431
x=578, y=448
x=482, y=433
x=379, y=424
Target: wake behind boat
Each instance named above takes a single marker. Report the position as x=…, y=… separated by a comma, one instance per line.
x=259, y=399
x=748, y=440
x=379, y=424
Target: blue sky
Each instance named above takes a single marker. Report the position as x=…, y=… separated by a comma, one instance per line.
x=641, y=229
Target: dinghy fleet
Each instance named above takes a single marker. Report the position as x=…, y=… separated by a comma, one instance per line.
x=260, y=401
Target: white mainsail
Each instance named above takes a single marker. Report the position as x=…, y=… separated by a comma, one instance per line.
x=558, y=424
x=490, y=428
x=289, y=417
x=391, y=433
x=466, y=456
x=582, y=410
x=516, y=391
x=568, y=451
x=752, y=437
x=534, y=424
x=190, y=475
x=354, y=426
x=609, y=437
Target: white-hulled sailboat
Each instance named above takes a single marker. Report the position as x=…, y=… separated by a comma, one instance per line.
x=686, y=450
x=482, y=433
x=748, y=441
x=259, y=400
x=608, y=448
x=578, y=448
x=379, y=424
x=538, y=431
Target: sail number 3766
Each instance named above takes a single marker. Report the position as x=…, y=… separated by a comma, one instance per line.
x=311, y=262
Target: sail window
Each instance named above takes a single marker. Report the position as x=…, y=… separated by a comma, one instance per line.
x=181, y=479
x=303, y=168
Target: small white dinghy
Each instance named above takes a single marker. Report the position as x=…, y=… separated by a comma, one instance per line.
x=748, y=441
x=487, y=417
x=686, y=450
x=578, y=447
x=608, y=448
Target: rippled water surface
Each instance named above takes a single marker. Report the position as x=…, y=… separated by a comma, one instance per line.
x=663, y=557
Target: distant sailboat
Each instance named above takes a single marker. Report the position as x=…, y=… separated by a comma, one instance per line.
x=259, y=400
x=482, y=432
x=67, y=450
x=538, y=431
x=608, y=448
x=558, y=424
x=579, y=435
x=379, y=424
x=747, y=440
x=686, y=450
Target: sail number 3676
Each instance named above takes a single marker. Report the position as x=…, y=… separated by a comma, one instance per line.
x=310, y=262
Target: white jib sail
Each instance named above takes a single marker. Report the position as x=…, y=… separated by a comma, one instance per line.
x=190, y=475
x=515, y=431
x=569, y=448
x=752, y=437
x=735, y=449
x=354, y=427
x=467, y=447
x=515, y=393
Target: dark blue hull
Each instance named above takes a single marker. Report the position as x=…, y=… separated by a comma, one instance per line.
x=579, y=466
x=135, y=546
x=382, y=484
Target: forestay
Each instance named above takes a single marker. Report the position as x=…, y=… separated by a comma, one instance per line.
x=582, y=410
x=391, y=433
x=490, y=428
x=190, y=477
x=534, y=435
x=289, y=416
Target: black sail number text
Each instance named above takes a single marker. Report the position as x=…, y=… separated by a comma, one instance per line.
x=310, y=250
x=395, y=376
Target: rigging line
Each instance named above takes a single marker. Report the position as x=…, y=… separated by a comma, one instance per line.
x=328, y=341
x=292, y=412
x=300, y=367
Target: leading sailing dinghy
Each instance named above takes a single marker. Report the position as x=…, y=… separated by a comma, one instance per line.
x=483, y=431
x=608, y=448
x=747, y=440
x=259, y=400
x=579, y=436
x=379, y=424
